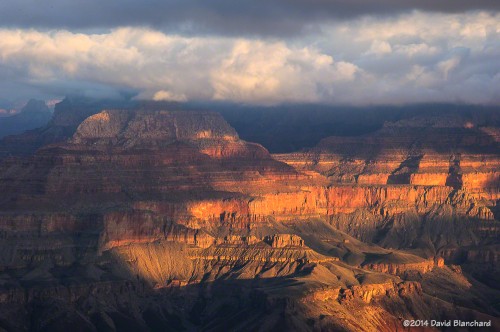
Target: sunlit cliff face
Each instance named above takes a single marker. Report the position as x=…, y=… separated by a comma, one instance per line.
x=416, y=57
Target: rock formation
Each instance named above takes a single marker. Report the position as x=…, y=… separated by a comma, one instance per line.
x=147, y=219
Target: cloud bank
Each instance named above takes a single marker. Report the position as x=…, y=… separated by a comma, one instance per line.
x=413, y=57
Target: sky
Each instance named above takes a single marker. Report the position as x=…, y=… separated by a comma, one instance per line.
x=355, y=52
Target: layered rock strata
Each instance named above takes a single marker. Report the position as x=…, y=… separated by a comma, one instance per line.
x=407, y=153
x=139, y=203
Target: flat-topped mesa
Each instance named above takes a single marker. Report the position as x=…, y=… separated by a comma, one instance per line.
x=139, y=128
x=208, y=132
x=124, y=155
x=422, y=266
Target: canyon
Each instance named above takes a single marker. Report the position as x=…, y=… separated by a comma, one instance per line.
x=154, y=219
x=33, y=115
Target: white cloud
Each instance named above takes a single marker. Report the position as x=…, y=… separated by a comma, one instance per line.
x=446, y=66
x=412, y=58
x=274, y=72
x=379, y=47
x=163, y=95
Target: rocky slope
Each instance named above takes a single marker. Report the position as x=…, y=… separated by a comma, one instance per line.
x=154, y=220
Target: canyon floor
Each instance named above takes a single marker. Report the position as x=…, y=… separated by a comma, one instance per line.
x=157, y=219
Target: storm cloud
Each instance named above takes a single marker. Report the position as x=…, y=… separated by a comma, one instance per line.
x=223, y=17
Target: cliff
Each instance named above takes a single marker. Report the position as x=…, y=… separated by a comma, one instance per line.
x=174, y=206
x=185, y=152
x=408, y=153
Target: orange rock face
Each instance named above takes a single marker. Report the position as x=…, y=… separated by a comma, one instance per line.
x=429, y=179
x=284, y=240
x=400, y=269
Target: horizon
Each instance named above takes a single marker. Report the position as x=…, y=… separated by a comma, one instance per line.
x=15, y=107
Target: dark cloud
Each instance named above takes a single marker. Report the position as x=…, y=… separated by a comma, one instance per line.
x=226, y=17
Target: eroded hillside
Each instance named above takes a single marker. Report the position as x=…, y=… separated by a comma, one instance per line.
x=154, y=220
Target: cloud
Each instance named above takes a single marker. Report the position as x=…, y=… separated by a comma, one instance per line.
x=274, y=72
x=223, y=17
x=379, y=47
x=415, y=57
x=446, y=66
x=163, y=67
x=163, y=95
